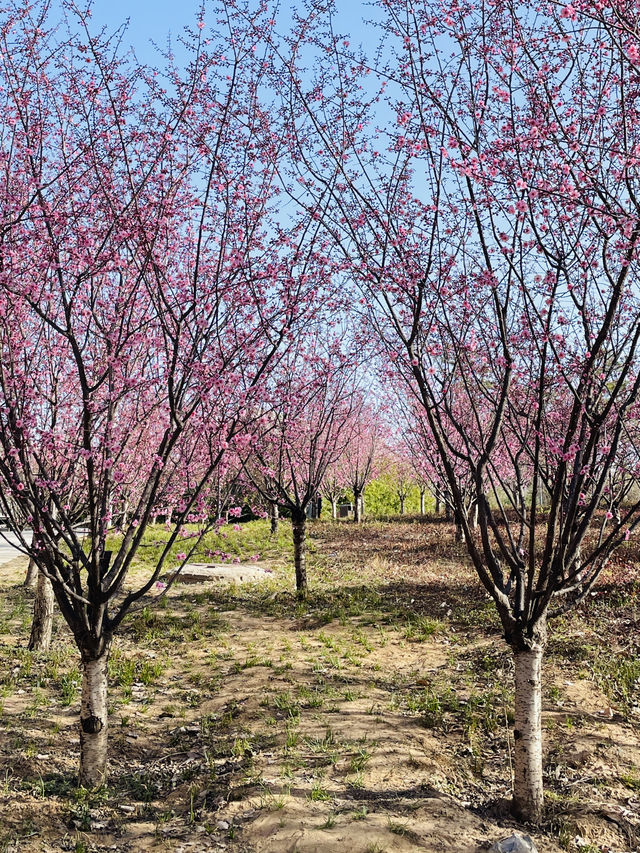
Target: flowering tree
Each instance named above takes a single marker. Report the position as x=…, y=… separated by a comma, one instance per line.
x=400, y=471
x=334, y=486
x=304, y=430
x=493, y=228
x=360, y=460
x=427, y=462
x=146, y=289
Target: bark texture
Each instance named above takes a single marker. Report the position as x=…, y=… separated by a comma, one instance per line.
x=274, y=516
x=527, y=784
x=299, y=525
x=42, y=623
x=31, y=577
x=459, y=534
x=422, y=502
x=357, y=508
x=93, y=722
x=334, y=509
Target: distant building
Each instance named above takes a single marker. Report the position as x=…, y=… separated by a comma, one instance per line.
x=345, y=510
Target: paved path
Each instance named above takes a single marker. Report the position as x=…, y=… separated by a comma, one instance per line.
x=202, y=572
x=8, y=551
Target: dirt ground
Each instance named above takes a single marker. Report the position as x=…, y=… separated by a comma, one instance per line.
x=376, y=716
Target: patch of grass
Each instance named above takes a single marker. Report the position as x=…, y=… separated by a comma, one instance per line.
x=359, y=761
x=319, y=793
x=242, y=541
x=125, y=671
x=422, y=629
x=573, y=649
x=432, y=704
x=618, y=675
x=631, y=780
x=140, y=787
x=286, y=704
x=249, y=662
x=69, y=685
x=398, y=828
x=485, y=712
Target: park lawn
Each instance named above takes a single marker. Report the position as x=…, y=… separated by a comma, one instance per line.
x=375, y=716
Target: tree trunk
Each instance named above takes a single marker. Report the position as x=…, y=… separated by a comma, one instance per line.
x=274, y=516
x=356, y=507
x=299, y=526
x=42, y=623
x=474, y=515
x=334, y=509
x=402, y=506
x=447, y=512
x=437, y=505
x=458, y=522
x=527, y=784
x=93, y=721
x=361, y=506
x=422, y=502
x=31, y=577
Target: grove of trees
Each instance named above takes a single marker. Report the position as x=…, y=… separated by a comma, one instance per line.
x=296, y=260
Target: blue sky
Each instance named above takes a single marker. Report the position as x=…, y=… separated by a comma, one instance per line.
x=153, y=20
x=149, y=20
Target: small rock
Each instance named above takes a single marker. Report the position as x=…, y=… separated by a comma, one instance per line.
x=515, y=843
x=128, y=809
x=222, y=824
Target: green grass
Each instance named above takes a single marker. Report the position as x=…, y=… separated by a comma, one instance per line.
x=422, y=628
x=248, y=540
x=618, y=675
